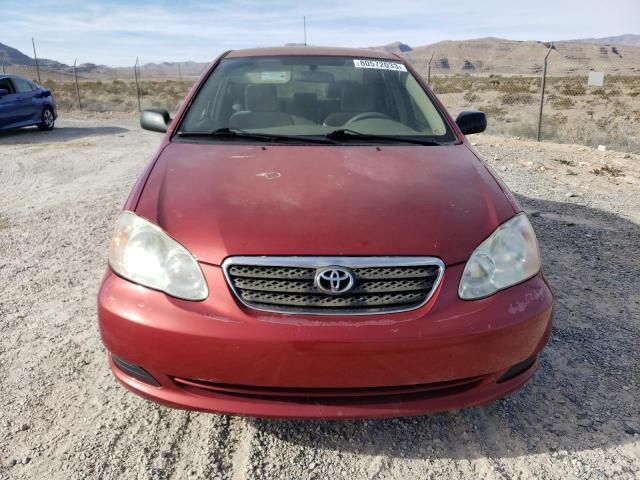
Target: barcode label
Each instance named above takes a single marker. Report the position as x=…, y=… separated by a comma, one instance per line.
x=380, y=65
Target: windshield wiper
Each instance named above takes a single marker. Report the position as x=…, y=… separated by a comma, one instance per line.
x=227, y=132
x=346, y=133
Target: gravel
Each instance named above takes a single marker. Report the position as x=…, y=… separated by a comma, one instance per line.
x=577, y=418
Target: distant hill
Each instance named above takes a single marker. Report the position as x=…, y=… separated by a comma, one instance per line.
x=628, y=39
x=169, y=69
x=478, y=56
x=395, y=47
x=17, y=62
x=12, y=56
x=501, y=56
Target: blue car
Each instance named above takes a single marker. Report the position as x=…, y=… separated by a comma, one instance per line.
x=24, y=103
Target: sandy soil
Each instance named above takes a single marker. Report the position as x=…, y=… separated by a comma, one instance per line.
x=63, y=416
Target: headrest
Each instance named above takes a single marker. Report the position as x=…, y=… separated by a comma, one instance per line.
x=357, y=98
x=261, y=98
x=334, y=90
x=305, y=100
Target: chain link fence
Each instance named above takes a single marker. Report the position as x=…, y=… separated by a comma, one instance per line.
x=572, y=109
x=112, y=93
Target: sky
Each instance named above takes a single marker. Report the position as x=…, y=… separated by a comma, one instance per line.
x=116, y=32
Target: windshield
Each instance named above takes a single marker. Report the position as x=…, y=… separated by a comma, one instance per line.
x=314, y=96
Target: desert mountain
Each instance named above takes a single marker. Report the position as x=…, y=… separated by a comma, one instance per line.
x=395, y=47
x=12, y=56
x=614, y=55
x=628, y=39
x=500, y=56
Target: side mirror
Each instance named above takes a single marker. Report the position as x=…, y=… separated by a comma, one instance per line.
x=155, y=119
x=3, y=92
x=472, y=122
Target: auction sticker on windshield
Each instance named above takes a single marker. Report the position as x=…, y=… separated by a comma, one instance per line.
x=380, y=65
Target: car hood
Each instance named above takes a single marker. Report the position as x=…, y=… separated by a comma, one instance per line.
x=231, y=199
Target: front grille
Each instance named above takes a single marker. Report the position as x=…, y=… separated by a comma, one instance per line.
x=288, y=284
x=332, y=395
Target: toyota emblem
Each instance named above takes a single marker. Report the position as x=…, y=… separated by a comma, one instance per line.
x=334, y=280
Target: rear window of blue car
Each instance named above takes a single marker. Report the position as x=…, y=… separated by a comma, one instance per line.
x=23, y=85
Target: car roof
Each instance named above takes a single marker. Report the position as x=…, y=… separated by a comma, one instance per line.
x=313, y=51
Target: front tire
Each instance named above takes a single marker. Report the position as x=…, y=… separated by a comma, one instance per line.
x=48, y=121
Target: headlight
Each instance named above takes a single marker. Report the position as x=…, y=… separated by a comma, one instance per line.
x=142, y=253
x=509, y=256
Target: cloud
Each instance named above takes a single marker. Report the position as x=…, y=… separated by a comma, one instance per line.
x=116, y=31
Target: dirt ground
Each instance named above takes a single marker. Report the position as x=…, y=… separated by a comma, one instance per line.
x=63, y=416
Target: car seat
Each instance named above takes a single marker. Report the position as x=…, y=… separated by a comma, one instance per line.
x=355, y=99
x=262, y=109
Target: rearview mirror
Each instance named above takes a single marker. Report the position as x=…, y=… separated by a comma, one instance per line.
x=3, y=92
x=155, y=119
x=472, y=122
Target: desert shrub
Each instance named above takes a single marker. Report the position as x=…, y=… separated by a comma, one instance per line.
x=517, y=85
x=603, y=122
x=606, y=93
x=627, y=80
x=467, y=82
x=564, y=161
x=517, y=98
x=493, y=110
x=442, y=85
x=609, y=170
x=471, y=97
x=573, y=87
x=562, y=102
x=65, y=103
x=50, y=84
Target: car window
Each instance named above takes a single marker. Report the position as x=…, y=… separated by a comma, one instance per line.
x=22, y=85
x=5, y=84
x=314, y=95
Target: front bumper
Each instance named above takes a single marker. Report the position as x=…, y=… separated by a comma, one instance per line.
x=219, y=356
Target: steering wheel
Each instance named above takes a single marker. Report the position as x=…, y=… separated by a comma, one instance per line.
x=367, y=116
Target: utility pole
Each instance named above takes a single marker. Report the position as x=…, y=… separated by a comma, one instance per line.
x=35, y=57
x=304, y=26
x=135, y=74
x=429, y=68
x=75, y=75
x=544, y=82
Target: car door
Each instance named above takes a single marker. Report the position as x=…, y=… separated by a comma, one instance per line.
x=8, y=104
x=27, y=109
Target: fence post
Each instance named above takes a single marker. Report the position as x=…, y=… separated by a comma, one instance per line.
x=3, y=71
x=35, y=57
x=429, y=69
x=135, y=74
x=542, y=87
x=75, y=75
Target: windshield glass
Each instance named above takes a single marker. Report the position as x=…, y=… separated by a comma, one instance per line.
x=313, y=96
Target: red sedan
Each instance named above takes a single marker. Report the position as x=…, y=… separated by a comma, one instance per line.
x=315, y=238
